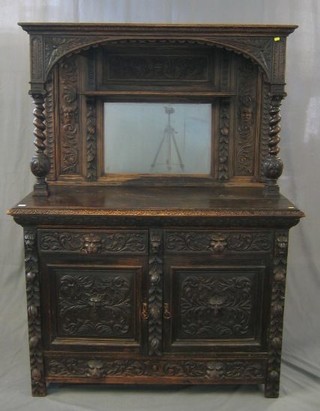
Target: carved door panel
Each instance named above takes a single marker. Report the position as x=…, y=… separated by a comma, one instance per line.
x=95, y=306
x=217, y=306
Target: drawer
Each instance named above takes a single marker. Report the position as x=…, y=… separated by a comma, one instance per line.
x=217, y=241
x=86, y=241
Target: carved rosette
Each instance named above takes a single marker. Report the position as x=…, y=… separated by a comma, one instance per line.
x=206, y=371
x=40, y=163
x=273, y=165
x=276, y=314
x=155, y=293
x=223, y=148
x=33, y=308
x=91, y=141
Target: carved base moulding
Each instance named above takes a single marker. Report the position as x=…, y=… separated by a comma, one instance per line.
x=101, y=370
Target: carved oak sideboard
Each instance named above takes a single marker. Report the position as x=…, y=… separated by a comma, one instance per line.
x=156, y=237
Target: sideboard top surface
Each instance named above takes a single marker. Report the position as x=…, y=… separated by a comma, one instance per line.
x=168, y=201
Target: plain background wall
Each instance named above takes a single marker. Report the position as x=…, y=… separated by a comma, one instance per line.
x=300, y=151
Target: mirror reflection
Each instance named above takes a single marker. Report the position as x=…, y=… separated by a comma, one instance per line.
x=157, y=138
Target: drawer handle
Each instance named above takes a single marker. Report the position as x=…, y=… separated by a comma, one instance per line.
x=166, y=313
x=144, y=311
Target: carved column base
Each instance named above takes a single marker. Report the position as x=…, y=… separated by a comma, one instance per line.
x=41, y=190
x=271, y=388
x=272, y=169
x=40, y=166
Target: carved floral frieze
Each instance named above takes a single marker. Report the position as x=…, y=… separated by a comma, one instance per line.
x=206, y=370
x=217, y=242
x=93, y=243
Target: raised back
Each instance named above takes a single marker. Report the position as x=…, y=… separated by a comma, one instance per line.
x=237, y=70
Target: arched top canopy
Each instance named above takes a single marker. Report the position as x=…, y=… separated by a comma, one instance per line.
x=49, y=43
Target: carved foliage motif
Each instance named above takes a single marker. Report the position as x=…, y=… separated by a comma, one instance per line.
x=93, y=243
x=211, y=371
x=246, y=119
x=56, y=47
x=197, y=241
x=216, y=306
x=91, y=141
x=259, y=49
x=276, y=315
x=155, y=293
x=163, y=68
x=223, y=155
x=95, y=304
x=34, y=320
x=69, y=117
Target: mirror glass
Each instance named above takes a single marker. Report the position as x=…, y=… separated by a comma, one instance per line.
x=157, y=138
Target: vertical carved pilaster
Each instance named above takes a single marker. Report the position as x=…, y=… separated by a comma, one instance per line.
x=273, y=166
x=246, y=119
x=223, y=149
x=91, y=140
x=264, y=136
x=276, y=314
x=34, y=320
x=50, y=132
x=40, y=163
x=69, y=117
x=155, y=293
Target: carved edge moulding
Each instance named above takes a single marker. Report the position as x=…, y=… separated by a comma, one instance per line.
x=52, y=45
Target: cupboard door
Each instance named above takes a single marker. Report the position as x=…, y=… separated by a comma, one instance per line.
x=94, y=306
x=214, y=307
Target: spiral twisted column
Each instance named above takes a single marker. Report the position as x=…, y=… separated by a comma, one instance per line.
x=273, y=165
x=40, y=163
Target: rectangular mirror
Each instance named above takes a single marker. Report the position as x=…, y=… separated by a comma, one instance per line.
x=157, y=138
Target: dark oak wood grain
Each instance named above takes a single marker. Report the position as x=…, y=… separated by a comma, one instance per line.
x=156, y=279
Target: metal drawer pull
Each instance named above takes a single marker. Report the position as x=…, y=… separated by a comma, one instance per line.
x=167, y=314
x=144, y=311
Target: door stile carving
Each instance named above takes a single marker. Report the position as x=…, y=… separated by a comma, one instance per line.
x=155, y=292
x=276, y=314
x=91, y=139
x=38, y=383
x=223, y=140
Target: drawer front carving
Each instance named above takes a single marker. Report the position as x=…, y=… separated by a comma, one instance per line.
x=217, y=242
x=201, y=370
x=93, y=242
